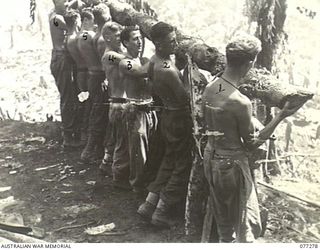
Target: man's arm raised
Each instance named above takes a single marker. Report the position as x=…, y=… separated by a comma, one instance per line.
x=58, y=21
x=243, y=114
x=111, y=59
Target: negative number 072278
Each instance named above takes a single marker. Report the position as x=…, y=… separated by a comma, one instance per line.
x=309, y=245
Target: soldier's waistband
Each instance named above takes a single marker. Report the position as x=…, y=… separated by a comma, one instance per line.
x=58, y=51
x=82, y=70
x=117, y=100
x=96, y=72
x=182, y=108
x=229, y=153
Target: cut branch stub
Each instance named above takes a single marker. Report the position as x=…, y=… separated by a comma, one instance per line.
x=260, y=84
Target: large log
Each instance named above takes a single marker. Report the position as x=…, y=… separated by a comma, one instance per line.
x=258, y=84
x=19, y=238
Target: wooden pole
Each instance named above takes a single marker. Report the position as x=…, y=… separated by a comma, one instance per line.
x=312, y=203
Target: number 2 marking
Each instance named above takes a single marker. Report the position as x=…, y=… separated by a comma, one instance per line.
x=220, y=89
x=165, y=65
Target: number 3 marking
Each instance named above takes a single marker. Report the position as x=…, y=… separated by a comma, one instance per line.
x=129, y=65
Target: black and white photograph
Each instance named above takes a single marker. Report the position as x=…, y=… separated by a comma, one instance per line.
x=159, y=121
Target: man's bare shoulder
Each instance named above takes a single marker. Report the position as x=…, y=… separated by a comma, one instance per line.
x=57, y=20
x=238, y=102
x=111, y=57
x=168, y=71
x=211, y=85
x=125, y=64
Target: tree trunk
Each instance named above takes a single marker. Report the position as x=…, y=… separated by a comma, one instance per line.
x=258, y=84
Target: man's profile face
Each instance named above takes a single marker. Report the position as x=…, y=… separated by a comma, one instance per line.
x=134, y=45
x=115, y=38
x=90, y=22
x=169, y=43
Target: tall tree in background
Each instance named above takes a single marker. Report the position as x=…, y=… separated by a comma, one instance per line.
x=33, y=6
x=270, y=16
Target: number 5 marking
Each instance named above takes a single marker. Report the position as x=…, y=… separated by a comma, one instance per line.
x=85, y=35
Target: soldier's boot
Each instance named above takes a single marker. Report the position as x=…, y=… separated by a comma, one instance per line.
x=160, y=217
x=69, y=140
x=147, y=208
x=89, y=154
x=105, y=167
x=83, y=138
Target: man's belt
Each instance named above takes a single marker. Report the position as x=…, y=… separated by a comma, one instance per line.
x=117, y=100
x=182, y=108
x=59, y=51
x=96, y=72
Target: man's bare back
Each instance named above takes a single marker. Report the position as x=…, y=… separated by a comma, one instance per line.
x=72, y=46
x=87, y=49
x=221, y=103
x=168, y=83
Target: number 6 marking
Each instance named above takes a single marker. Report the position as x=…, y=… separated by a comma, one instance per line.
x=55, y=22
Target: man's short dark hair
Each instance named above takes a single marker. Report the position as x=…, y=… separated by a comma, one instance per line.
x=125, y=34
x=160, y=30
x=71, y=16
x=87, y=13
x=242, y=49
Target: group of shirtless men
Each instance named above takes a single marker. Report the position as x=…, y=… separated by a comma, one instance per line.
x=133, y=113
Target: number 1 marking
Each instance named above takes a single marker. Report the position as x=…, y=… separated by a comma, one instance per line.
x=220, y=89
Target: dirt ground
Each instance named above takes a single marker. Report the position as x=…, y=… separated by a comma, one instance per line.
x=66, y=194
x=45, y=198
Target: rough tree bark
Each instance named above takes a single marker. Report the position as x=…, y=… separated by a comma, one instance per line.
x=258, y=84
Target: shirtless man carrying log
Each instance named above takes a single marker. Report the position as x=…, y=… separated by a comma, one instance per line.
x=140, y=119
x=116, y=153
x=72, y=19
x=98, y=115
x=61, y=69
x=84, y=47
x=229, y=126
x=170, y=185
